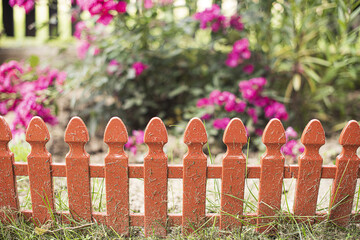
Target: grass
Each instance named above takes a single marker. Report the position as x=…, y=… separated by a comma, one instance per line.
x=285, y=223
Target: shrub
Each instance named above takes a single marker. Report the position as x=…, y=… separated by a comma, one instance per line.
x=28, y=90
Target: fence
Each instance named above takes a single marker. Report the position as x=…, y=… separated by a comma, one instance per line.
x=155, y=172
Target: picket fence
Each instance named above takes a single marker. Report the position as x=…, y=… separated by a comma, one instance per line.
x=155, y=172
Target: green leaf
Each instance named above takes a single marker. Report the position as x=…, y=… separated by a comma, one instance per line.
x=179, y=90
x=34, y=60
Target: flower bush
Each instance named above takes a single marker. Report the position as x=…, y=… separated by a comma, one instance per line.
x=147, y=63
x=28, y=90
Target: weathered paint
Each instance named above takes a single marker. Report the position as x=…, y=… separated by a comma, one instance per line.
x=77, y=170
x=155, y=179
x=233, y=175
x=347, y=167
x=194, y=177
x=271, y=176
x=194, y=173
x=39, y=168
x=8, y=192
x=310, y=165
x=117, y=177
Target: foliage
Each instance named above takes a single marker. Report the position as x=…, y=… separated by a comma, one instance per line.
x=148, y=63
x=312, y=50
x=28, y=90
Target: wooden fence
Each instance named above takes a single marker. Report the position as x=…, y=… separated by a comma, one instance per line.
x=155, y=172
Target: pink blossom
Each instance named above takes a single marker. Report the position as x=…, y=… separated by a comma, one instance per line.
x=213, y=97
x=221, y=123
x=82, y=49
x=252, y=113
x=113, y=66
x=235, y=22
x=96, y=51
x=28, y=5
x=206, y=116
x=232, y=59
x=288, y=148
x=203, y=102
x=136, y=139
x=121, y=7
x=212, y=18
x=139, y=67
x=240, y=107
x=248, y=69
x=290, y=133
x=241, y=45
x=276, y=110
x=259, y=131
x=148, y=4
x=79, y=28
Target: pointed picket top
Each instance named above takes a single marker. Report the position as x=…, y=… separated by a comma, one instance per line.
x=155, y=132
x=5, y=132
x=37, y=131
x=115, y=131
x=274, y=133
x=76, y=131
x=235, y=132
x=195, y=132
x=313, y=133
x=350, y=135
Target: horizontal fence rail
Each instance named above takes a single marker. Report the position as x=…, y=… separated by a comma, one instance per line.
x=194, y=172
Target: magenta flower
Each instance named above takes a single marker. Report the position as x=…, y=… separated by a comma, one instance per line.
x=252, y=113
x=206, y=116
x=148, y=4
x=248, y=69
x=235, y=22
x=289, y=148
x=203, y=102
x=136, y=139
x=212, y=18
x=276, y=110
x=113, y=66
x=82, y=49
x=28, y=5
x=139, y=67
x=221, y=123
x=290, y=133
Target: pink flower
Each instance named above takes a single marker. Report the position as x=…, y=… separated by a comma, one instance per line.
x=79, y=28
x=203, y=102
x=276, y=110
x=290, y=133
x=212, y=18
x=240, y=107
x=252, y=113
x=221, y=123
x=241, y=45
x=82, y=49
x=259, y=131
x=139, y=67
x=235, y=22
x=248, y=68
x=206, y=117
x=288, y=148
x=96, y=51
x=232, y=59
x=213, y=97
x=121, y=7
x=148, y=4
x=112, y=67
x=28, y=5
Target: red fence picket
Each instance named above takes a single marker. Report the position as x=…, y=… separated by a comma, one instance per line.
x=271, y=176
x=77, y=170
x=310, y=164
x=347, y=168
x=155, y=171
x=233, y=175
x=194, y=177
x=8, y=192
x=117, y=177
x=39, y=168
x=155, y=179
